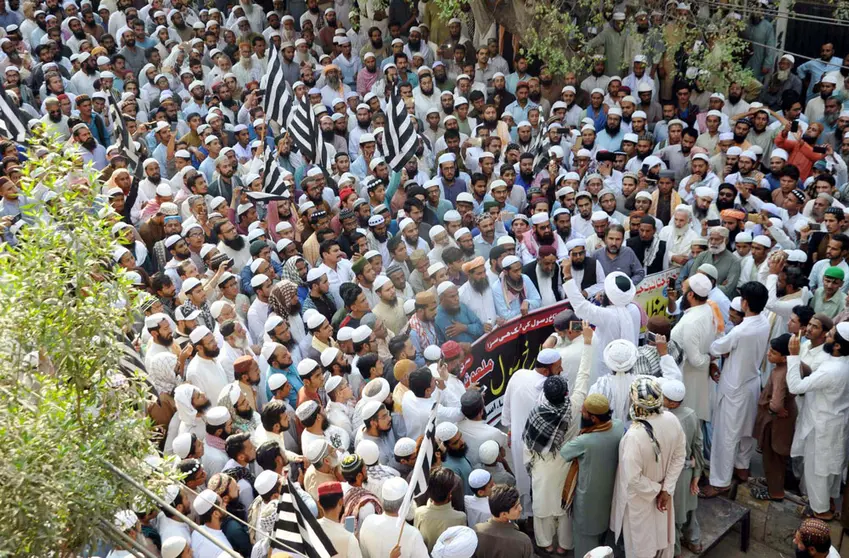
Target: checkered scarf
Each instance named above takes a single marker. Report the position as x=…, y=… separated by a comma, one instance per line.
x=546, y=428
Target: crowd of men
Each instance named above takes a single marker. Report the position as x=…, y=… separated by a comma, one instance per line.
x=311, y=336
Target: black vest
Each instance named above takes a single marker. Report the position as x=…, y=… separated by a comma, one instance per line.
x=589, y=279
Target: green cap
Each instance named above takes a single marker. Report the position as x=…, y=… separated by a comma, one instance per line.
x=359, y=265
x=834, y=273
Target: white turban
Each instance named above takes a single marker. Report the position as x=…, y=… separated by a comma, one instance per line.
x=456, y=542
x=617, y=296
x=620, y=355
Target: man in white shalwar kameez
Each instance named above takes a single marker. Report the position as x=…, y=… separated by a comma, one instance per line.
x=678, y=237
x=651, y=457
x=620, y=356
x=820, y=435
x=619, y=320
x=732, y=444
x=552, y=525
x=694, y=333
x=523, y=392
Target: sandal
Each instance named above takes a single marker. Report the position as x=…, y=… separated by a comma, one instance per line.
x=711, y=491
x=762, y=493
x=827, y=516
x=695, y=548
x=560, y=551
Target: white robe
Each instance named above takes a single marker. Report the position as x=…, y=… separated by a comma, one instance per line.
x=694, y=333
x=208, y=376
x=737, y=397
x=482, y=305
x=612, y=322
x=379, y=535
x=639, y=479
x=548, y=474
x=521, y=397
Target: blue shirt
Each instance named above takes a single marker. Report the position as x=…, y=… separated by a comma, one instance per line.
x=608, y=142
x=515, y=307
x=814, y=69
x=348, y=68
x=519, y=114
x=464, y=316
x=293, y=378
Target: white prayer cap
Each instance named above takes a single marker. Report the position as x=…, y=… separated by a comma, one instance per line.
x=183, y=445
x=306, y=366
x=452, y=216
x=125, y=520
x=315, y=273
x=266, y=481
x=737, y=303
x=705, y=192
x=479, y=478
x=673, y=390
x=405, y=447
x=749, y=154
x=461, y=232
x=734, y=150
x=797, y=256
x=539, y=218
x=488, y=452
x=465, y=197
x=496, y=184
x=328, y=355
x=446, y=430
x=361, y=334
x=701, y=156
x=154, y=320
x=605, y=551
x=444, y=286
x=843, y=330
x=306, y=409
x=640, y=113
x=283, y=243
x=435, y=230
x=275, y=381
x=333, y=382
x=789, y=57
x=615, y=111
x=258, y=280
x=198, y=334
x=575, y=243
x=432, y=353
x=345, y=333
x=700, y=284
x=510, y=260
x=727, y=136
x=504, y=240
x=409, y=306
x=173, y=547
x=619, y=289
x=217, y=416
x=620, y=355
x=369, y=451
x=394, y=489
x=406, y=222
x=780, y=153
x=548, y=356
x=268, y=350
x=631, y=137
x=709, y=270
x=827, y=78
x=204, y=501
x=190, y=284
x=600, y=216
x=458, y=541
x=763, y=240
x=744, y=237
x=433, y=268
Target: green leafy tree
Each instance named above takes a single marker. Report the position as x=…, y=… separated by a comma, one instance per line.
x=66, y=405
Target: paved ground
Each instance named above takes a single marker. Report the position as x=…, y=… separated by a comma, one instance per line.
x=729, y=547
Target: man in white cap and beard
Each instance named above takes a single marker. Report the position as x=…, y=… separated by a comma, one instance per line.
x=694, y=333
x=617, y=318
x=651, y=457
x=678, y=235
x=523, y=392
x=686, y=499
x=822, y=442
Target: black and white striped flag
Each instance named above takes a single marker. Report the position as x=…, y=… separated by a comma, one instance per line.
x=13, y=122
x=273, y=187
x=306, y=135
x=125, y=142
x=421, y=470
x=400, y=139
x=296, y=529
x=277, y=101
